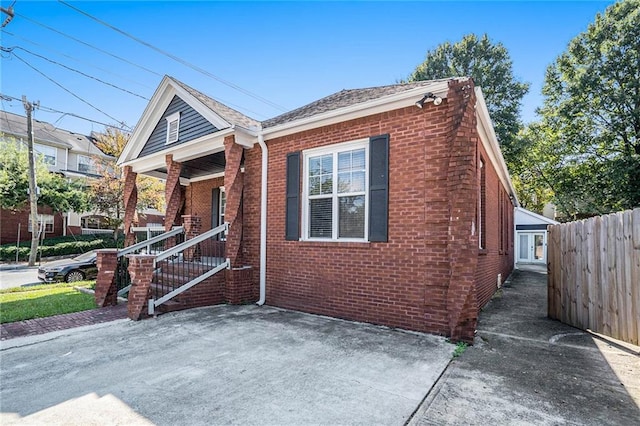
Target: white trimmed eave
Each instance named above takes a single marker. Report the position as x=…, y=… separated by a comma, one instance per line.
x=208, y=144
x=491, y=146
x=364, y=109
x=536, y=216
x=154, y=111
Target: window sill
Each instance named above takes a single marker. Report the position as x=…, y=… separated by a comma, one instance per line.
x=483, y=252
x=333, y=244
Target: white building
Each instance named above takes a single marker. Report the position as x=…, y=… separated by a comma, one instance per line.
x=531, y=237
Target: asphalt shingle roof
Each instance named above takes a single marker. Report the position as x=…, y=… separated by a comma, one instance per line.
x=341, y=99
x=344, y=98
x=16, y=125
x=227, y=113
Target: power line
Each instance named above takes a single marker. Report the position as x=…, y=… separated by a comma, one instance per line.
x=129, y=62
x=4, y=97
x=69, y=91
x=88, y=45
x=10, y=50
x=177, y=59
x=76, y=59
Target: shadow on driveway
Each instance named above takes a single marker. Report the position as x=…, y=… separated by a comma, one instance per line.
x=528, y=369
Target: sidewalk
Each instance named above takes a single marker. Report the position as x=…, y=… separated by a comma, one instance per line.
x=528, y=369
x=62, y=322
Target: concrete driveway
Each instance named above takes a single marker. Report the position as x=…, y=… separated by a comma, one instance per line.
x=221, y=365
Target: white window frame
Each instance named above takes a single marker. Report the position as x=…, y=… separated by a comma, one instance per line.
x=47, y=219
x=175, y=117
x=222, y=205
x=38, y=148
x=92, y=165
x=334, y=150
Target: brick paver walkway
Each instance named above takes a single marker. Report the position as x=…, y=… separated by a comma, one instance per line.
x=62, y=322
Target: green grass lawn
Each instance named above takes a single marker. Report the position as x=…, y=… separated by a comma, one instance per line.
x=40, y=301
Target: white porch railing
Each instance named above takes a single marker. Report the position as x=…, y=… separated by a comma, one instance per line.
x=181, y=267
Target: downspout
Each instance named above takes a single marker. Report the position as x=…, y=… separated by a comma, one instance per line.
x=263, y=221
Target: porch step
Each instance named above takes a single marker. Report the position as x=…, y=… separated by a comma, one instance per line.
x=170, y=306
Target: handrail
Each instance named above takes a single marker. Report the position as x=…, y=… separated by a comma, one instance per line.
x=193, y=241
x=175, y=231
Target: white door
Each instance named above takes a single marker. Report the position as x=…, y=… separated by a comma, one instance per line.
x=532, y=247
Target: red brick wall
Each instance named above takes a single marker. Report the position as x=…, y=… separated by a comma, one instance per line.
x=9, y=221
x=492, y=260
x=198, y=200
x=400, y=283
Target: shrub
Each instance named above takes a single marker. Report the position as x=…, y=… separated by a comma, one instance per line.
x=60, y=246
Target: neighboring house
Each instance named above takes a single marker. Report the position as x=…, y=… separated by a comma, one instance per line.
x=531, y=237
x=389, y=205
x=70, y=154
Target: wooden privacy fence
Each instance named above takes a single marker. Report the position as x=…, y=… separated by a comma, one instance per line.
x=594, y=274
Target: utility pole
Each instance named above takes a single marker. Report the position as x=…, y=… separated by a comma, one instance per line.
x=33, y=187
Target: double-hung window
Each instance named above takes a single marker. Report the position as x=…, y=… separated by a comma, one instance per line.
x=86, y=164
x=47, y=152
x=335, y=202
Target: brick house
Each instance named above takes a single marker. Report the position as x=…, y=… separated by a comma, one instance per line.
x=67, y=153
x=390, y=205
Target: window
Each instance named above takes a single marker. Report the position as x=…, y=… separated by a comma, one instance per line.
x=481, y=206
x=86, y=164
x=173, y=127
x=223, y=205
x=335, y=198
x=45, y=222
x=48, y=153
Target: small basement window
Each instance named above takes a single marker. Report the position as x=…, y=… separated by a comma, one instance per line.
x=173, y=127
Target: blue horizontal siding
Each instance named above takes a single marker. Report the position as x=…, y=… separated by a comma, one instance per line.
x=192, y=126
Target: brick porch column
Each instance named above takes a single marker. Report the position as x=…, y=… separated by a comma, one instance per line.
x=130, y=202
x=106, y=293
x=192, y=227
x=141, y=272
x=462, y=181
x=238, y=279
x=172, y=193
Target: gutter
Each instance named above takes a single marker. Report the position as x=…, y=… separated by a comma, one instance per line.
x=263, y=221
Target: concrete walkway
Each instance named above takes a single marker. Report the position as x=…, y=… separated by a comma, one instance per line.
x=39, y=326
x=528, y=369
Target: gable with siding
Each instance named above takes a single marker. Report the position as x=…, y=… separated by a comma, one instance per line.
x=192, y=126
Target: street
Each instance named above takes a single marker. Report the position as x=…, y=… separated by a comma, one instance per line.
x=18, y=277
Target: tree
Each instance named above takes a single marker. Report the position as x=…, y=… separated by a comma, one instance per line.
x=592, y=111
x=490, y=67
x=107, y=193
x=56, y=191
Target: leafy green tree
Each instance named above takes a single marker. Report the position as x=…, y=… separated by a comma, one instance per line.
x=107, y=193
x=592, y=106
x=56, y=191
x=490, y=66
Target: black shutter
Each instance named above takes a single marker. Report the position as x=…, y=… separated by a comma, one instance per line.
x=293, y=197
x=378, y=188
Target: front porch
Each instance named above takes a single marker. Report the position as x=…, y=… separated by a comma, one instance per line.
x=198, y=260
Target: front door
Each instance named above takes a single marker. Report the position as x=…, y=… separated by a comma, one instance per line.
x=532, y=247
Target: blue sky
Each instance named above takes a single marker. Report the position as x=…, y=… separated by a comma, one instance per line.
x=289, y=53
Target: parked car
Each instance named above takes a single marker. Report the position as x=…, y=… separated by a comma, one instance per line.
x=79, y=268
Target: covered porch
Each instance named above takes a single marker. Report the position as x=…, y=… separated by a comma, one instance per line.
x=198, y=260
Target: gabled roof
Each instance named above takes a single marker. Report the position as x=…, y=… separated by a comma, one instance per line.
x=218, y=114
x=48, y=134
x=228, y=113
x=345, y=98
x=524, y=216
